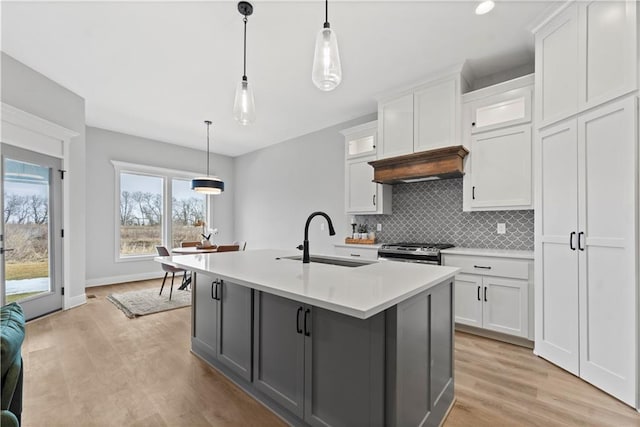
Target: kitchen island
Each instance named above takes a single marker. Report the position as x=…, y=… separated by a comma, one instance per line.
x=369, y=344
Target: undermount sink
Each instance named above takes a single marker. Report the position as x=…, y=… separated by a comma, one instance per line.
x=332, y=261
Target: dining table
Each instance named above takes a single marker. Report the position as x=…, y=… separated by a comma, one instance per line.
x=192, y=250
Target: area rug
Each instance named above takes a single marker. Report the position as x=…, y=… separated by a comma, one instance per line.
x=147, y=301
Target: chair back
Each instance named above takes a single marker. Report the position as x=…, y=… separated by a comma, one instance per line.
x=162, y=251
x=241, y=245
x=228, y=248
x=189, y=244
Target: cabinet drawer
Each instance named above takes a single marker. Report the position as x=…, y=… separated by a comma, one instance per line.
x=489, y=266
x=362, y=253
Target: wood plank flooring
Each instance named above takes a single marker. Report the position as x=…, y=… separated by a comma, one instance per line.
x=92, y=366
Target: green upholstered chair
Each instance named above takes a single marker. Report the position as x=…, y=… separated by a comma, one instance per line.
x=12, y=336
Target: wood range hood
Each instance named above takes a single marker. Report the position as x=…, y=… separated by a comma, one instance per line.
x=441, y=163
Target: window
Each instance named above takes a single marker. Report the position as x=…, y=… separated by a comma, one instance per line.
x=140, y=213
x=187, y=208
x=155, y=206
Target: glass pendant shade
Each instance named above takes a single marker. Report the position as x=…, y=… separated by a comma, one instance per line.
x=244, y=107
x=207, y=185
x=327, y=71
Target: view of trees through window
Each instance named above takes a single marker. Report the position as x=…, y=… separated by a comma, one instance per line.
x=142, y=213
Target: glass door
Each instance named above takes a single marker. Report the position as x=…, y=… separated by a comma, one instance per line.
x=30, y=238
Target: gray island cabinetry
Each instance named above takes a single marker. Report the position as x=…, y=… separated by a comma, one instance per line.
x=327, y=345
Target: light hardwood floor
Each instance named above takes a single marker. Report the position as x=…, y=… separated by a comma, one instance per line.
x=93, y=366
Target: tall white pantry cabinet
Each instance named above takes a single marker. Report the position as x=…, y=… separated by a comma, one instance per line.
x=586, y=194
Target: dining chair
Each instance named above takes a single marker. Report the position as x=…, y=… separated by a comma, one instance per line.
x=162, y=251
x=189, y=244
x=241, y=245
x=228, y=248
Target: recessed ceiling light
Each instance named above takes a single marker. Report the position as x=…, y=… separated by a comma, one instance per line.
x=485, y=7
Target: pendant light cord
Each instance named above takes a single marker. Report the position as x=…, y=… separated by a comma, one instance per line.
x=326, y=14
x=244, y=69
x=208, y=124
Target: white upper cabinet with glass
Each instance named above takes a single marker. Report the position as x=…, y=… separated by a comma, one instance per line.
x=497, y=130
x=585, y=56
x=362, y=195
x=424, y=117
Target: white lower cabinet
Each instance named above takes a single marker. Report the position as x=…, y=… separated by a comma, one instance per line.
x=357, y=251
x=493, y=293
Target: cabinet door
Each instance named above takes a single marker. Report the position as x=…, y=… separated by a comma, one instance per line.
x=362, y=141
x=556, y=65
x=501, y=168
x=205, y=316
x=235, y=328
x=435, y=109
x=505, y=109
x=361, y=191
x=608, y=251
x=607, y=50
x=506, y=305
x=344, y=370
x=395, y=127
x=556, y=277
x=279, y=350
x=468, y=300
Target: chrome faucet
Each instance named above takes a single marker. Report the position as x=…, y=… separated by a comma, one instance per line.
x=305, y=245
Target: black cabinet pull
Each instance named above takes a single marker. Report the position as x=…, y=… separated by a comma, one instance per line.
x=571, y=236
x=355, y=255
x=374, y=200
x=482, y=267
x=473, y=193
x=219, y=290
x=478, y=293
x=298, y=328
x=213, y=285
x=485, y=294
x=580, y=245
x=306, y=316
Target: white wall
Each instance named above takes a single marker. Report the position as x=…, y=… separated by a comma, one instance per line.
x=30, y=91
x=279, y=186
x=104, y=146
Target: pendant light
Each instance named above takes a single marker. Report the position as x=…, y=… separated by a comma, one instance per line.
x=207, y=184
x=327, y=71
x=244, y=108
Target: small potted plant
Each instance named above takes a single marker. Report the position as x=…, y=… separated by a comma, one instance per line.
x=362, y=229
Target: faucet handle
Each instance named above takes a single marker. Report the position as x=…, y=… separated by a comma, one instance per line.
x=300, y=247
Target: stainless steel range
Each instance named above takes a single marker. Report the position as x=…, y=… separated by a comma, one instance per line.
x=425, y=253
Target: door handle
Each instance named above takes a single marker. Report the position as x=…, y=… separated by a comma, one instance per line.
x=374, y=200
x=479, y=293
x=219, y=290
x=298, y=328
x=213, y=285
x=580, y=236
x=571, y=236
x=307, y=332
x=482, y=267
x=473, y=193
x=355, y=255
x=485, y=294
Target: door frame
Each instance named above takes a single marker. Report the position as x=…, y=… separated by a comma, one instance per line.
x=34, y=133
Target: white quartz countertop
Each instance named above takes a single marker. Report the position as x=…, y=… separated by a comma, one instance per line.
x=360, y=292
x=501, y=253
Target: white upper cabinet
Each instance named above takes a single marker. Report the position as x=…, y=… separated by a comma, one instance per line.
x=497, y=131
x=396, y=126
x=362, y=195
x=435, y=118
x=423, y=118
x=585, y=56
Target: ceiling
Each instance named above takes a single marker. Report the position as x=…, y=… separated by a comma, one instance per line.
x=159, y=69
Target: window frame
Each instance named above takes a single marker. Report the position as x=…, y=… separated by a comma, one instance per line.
x=167, y=176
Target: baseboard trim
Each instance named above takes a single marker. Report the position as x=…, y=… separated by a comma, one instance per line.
x=122, y=279
x=522, y=342
x=72, y=302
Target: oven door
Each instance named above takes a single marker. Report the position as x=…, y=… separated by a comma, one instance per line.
x=433, y=261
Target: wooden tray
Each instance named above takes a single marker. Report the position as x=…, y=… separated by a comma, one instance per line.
x=359, y=241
